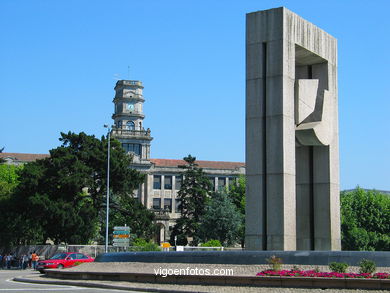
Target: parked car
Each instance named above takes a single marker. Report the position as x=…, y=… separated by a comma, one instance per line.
x=63, y=260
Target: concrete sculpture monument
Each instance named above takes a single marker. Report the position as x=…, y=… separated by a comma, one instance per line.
x=292, y=157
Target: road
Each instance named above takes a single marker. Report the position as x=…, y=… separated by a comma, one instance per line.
x=9, y=286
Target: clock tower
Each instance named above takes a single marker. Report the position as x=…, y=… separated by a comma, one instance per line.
x=128, y=120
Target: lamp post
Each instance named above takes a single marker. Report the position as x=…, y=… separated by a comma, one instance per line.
x=108, y=185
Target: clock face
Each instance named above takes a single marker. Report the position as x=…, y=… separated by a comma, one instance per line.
x=130, y=107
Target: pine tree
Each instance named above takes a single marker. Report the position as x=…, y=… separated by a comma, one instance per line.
x=193, y=196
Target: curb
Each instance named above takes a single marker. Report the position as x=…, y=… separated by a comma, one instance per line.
x=100, y=286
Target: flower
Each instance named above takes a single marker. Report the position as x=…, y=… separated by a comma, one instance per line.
x=314, y=274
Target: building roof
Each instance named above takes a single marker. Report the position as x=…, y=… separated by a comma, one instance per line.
x=20, y=157
x=24, y=158
x=202, y=164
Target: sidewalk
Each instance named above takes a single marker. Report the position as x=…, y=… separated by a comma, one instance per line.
x=149, y=268
x=166, y=288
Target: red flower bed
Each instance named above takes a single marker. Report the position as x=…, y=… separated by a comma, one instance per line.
x=313, y=274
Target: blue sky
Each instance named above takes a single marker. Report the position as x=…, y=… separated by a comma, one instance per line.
x=58, y=61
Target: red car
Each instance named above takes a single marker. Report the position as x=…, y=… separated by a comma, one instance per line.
x=63, y=260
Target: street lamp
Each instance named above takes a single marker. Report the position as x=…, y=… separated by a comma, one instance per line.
x=108, y=185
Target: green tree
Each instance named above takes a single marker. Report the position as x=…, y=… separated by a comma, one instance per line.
x=365, y=220
x=17, y=227
x=221, y=221
x=237, y=194
x=193, y=196
x=128, y=211
x=9, y=179
x=212, y=243
x=62, y=197
x=1, y=159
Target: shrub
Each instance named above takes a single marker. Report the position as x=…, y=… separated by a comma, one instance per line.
x=275, y=263
x=140, y=244
x=338, y=267
x=211, y=243
x=296, y=268
x=313, y=274
x=367, y=266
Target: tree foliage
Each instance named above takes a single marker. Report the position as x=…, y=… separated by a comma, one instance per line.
x=1, y=159
x=237, y=195
x=365, y=220
x=212, y=243
x=221, y=220
x=129, y=211
x=9, y=179
x=62, y=197
x=193, y=196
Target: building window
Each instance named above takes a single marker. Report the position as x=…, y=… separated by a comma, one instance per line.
x=156, y=182
x=221, y=183
x=177, y=205
x=119, y=124
x=212, y=181
x=156, y=203
x=168, y=182
x=178, y=181
x=130, y=125
x=137, y=149
x=140, y=126
x=168, y=204
x=132, y=147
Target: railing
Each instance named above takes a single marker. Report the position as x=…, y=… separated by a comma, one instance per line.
x=161, y=211
x=94, y=250
x=161, y=214
x=132, y=82
x=130, y=132
x=128, y=113
x=129, y=82
x=198, y=248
